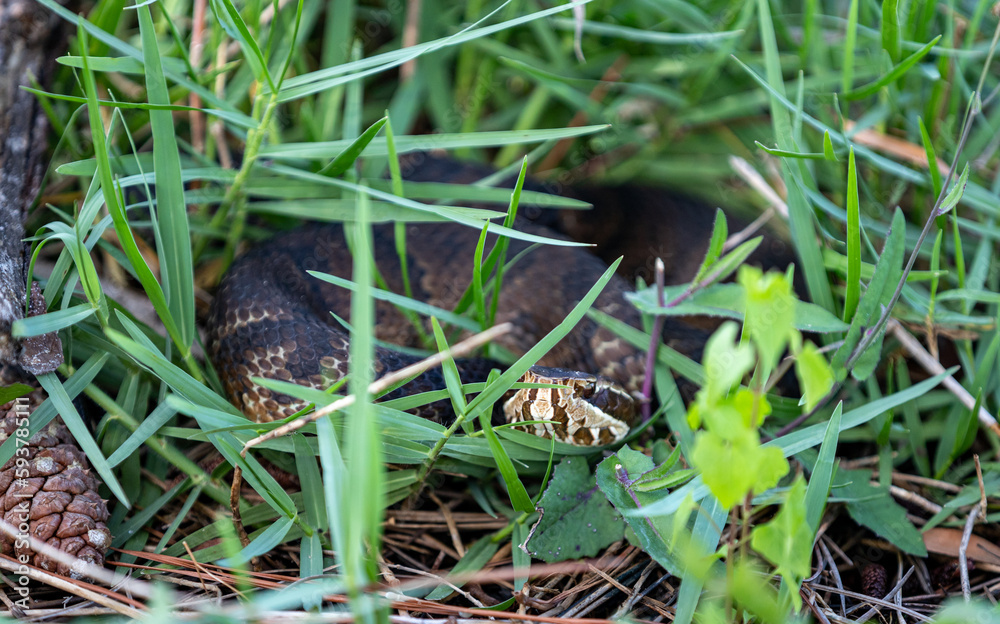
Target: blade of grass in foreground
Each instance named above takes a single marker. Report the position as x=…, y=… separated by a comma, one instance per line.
x=321, y=150
x=113, y=201
x=81, y=433
x=897, y=72
x=172, y=231
x=822, y=474
x=361, y=512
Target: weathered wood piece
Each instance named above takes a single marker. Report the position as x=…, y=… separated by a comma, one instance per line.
x=29, y=35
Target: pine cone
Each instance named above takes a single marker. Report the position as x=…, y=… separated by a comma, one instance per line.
x=49, y=485
x=874, y=580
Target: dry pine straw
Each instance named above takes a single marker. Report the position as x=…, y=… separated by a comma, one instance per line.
x=856, y=576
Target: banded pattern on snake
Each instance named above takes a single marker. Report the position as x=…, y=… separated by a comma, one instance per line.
x=271, y=319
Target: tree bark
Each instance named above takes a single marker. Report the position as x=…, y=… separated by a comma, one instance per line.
x=29, y=37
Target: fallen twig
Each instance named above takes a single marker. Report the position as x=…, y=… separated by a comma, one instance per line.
x=384, y=383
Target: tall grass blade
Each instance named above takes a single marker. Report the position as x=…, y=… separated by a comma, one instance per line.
x=897, y=72
x=853, y=284
x=173, y=233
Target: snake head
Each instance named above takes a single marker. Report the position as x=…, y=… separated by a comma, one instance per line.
x=586, y=410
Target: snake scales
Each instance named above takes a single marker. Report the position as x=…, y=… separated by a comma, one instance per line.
x=271, y=319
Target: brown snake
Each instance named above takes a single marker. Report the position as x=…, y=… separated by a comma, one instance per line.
x=271, y=319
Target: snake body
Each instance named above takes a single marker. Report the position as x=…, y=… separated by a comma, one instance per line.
x=271, y=319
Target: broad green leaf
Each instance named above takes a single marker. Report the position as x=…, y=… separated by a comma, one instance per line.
x=14, y=391
x=814, y=374
x=873, y=507
x=614, y=476
x=770, y=313
x=576, y=521
x=736, y=465
x=726, y=362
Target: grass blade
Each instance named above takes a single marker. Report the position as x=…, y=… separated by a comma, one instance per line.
x=800, y=212
x=850, y=48
x=894, y=75
x=115, y=208
x=365, y=503
x=822, y=474
x=231, y=21
x=51, y=321
x=81, y=433
x=853, y=284
x=890, y=29
x=346, y=158
x=173, y=233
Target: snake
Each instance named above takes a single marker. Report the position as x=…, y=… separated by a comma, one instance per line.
x=271, y=319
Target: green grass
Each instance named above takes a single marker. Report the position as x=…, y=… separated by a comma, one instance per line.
x=309, y=107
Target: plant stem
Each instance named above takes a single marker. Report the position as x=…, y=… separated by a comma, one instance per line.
x=873, y=333
x=234, y=195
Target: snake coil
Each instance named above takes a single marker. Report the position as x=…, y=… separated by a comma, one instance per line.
x=271, y=319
